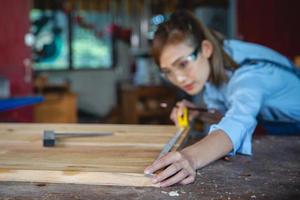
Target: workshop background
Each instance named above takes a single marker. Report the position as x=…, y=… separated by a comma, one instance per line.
x=88, y=61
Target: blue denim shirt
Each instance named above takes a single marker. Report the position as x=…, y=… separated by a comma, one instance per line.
x=259, y=90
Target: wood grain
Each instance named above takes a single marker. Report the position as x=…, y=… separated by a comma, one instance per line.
x=110, y=160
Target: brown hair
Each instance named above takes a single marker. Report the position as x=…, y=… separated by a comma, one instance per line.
x=183, y=26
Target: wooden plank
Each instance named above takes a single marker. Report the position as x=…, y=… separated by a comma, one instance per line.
x=91, y=178
x=110, y=160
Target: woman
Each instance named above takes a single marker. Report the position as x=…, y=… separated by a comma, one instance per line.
x=241, y=83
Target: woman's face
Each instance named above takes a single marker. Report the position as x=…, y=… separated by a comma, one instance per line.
x=185, y=66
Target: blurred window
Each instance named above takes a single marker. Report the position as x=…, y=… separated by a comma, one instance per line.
x=76, y=40
x=50, y=39
x=91, y=45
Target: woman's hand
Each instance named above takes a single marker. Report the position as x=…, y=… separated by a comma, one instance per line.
x=179, y=168
x=213, y=116
x=178, y=111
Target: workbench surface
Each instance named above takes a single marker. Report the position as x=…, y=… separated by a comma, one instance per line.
x=272, y=173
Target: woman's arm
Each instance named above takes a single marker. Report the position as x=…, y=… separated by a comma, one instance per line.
x=181, y=165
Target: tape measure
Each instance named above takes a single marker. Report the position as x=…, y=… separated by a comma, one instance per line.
x=183, y=120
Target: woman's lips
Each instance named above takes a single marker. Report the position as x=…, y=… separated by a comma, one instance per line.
x=188, y=87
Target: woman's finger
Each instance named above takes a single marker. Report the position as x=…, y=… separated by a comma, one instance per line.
x=181, y=175
x=162, y=162
x=169, y=171
x=180, y=106
x=188, y=180
x=173, y=116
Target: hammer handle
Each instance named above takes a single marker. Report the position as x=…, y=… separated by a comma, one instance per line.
x=84, y=134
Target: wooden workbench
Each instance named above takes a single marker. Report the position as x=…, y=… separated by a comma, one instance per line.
x=119, y=158
x=272, y=173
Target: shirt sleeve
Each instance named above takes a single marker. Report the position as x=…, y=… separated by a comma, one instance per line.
x=213, y=99
x=244, y=99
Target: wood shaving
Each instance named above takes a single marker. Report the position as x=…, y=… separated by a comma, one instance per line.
x=174, y=193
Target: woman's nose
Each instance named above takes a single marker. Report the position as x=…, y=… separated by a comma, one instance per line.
x=180, y=78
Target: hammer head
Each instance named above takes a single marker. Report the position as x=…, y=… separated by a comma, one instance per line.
x=49, y=138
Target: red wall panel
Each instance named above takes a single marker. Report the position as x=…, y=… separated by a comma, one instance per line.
x=14, y=24
x=274, y=23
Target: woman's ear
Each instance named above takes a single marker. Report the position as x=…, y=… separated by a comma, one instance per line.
x=207, y=48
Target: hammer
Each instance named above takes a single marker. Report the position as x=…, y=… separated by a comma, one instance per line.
x=50, y=136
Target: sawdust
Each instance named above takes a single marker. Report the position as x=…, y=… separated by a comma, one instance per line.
x=174, y=193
